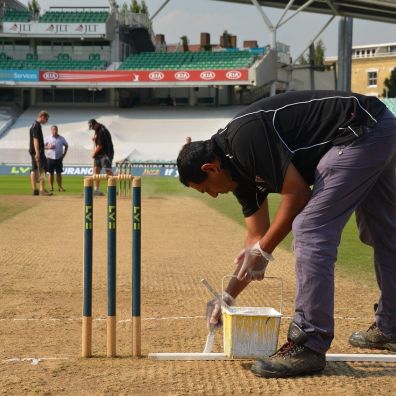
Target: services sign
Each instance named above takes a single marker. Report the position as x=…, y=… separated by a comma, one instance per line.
x=19, y=75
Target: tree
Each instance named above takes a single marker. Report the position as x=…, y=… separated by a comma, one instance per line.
x=143, y=8
x=124, y=9
x=390, y=84
x=184, y=41
x=135, y=7
x=34, y=7
x=302, y=60
x=318, y=55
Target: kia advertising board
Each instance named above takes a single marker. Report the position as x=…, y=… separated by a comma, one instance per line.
x=146, y=76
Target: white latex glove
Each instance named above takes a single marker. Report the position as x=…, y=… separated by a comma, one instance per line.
x=213, y=310
x=255, y=261
x=239, y=259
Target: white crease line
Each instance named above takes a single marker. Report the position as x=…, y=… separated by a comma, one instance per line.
x=143, y=319
x=34, y=361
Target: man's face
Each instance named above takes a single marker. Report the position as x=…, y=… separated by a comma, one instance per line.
x=54, y=131
x=93, y=126
x=218, y=180
x=43, y=119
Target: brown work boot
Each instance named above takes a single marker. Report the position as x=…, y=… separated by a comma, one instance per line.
x=45, y=193
x=289, y=361
x=372, y=338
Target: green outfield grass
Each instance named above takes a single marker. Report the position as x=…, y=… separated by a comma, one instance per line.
x=354, y=258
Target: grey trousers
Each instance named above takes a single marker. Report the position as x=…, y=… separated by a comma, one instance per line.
x=360, y=177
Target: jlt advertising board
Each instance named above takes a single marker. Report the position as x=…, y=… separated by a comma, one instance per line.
x=54, y=29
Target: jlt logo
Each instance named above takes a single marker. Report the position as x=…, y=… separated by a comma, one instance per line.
x=136, y=217
x=88, y=217
x=112, y=217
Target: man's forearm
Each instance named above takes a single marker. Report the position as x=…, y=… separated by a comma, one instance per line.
x=36, y=146
x=295, y=195
x=97, y=150
x=282, y=223
x=235, y=286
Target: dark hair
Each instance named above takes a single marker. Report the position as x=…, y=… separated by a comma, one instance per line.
x=44, y=114
x=91, y=123
x=190, y=159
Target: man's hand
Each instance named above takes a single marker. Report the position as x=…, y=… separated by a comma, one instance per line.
x=255, y=262
x=213, y=311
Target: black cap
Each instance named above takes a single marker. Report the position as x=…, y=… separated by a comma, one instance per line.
x=91, y=123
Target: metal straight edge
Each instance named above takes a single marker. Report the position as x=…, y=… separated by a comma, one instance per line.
x=330, y=357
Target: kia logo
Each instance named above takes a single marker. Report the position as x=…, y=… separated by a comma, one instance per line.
x=182, y=75
x=208, y=75
x=156, y=76
x=50, y=76
x=233, y=74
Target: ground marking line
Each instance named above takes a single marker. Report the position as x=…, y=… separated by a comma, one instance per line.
x=34, y=361
x=143, y=319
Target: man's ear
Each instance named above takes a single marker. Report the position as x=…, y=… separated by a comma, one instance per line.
x=211, y=167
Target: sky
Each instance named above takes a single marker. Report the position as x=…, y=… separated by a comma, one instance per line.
x=191, y=17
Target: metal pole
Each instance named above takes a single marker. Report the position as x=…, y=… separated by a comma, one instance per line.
x=87, y=287
x=136, y=273
x=111, y=265
x=345, y=29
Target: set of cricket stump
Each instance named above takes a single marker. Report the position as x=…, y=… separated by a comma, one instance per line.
x=128, y=186
x=248, y=332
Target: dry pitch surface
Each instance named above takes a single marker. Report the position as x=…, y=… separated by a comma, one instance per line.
x=182, y=241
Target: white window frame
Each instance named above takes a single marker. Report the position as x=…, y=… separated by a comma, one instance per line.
x=371, y=78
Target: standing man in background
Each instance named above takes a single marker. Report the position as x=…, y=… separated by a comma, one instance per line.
x=103, y=152
x=54, y=145
x=37, y=153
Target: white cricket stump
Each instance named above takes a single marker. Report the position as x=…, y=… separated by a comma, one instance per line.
x=330, y=357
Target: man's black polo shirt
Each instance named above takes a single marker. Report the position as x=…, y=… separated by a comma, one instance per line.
x=37, y=133
x=299, y=127
x=103, y=138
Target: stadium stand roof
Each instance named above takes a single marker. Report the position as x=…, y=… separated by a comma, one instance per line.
x=376, y=10
x=14, y=4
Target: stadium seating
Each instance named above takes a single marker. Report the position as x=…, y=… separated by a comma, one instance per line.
x=16, y=16
x=62, y=62
x=141, y=134
x=188, y=60
x=390, y=104
x=75, y=16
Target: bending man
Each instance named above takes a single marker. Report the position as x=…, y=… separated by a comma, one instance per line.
x=344, y=145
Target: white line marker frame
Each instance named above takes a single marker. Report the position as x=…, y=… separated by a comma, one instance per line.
x=330, y=357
